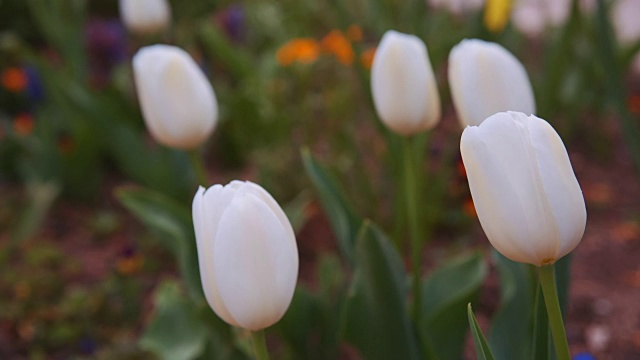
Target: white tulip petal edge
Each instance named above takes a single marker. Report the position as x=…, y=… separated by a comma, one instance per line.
x=247, y=254
x=527, y=197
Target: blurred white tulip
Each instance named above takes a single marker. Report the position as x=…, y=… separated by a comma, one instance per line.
x=178, y=103
x=626, y=21
x=404, y=88
x=486, y=78
x=457, y=7
x=526, y=195
x=247, y=254
x=145, y=17
x=532, y=17
x=625, y=18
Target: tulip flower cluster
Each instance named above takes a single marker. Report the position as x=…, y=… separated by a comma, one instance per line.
x=526, y=195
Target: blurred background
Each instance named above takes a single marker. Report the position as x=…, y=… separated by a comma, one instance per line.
x=79, y=267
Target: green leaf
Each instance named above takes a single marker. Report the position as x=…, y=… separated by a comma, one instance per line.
x=172, y=221
x=483, y=351
x=311, y=325
x=343, y=219
x=510, y=334
x=376, y=318
x=40, y=195
x=296, y=209
x=445, y=295
x=300, y=322
x=540, y=347
x=176, y=331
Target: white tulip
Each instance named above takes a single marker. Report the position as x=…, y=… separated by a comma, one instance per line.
x=457, y=7
x=486, y=78
x=178, y=103
x=625, y=16
x=528, y=200
x=145, y=16
x=532, y=17
x=247, y=254
x=404, y=88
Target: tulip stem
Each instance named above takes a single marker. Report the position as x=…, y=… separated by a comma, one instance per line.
x=411, y=199
x=259, y=345
x=197, y=162
x=550, y=292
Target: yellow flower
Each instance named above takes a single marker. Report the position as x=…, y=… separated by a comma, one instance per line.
x=337, y=44
x=302, y=50
x=496, y=14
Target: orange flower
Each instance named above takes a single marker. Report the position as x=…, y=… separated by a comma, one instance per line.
x=337, y=44
x=354, y=33
x=23, y=124
x=302, y=50
x=366, y=58
x=14, y=79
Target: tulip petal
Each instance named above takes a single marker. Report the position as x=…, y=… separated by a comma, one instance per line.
x=177, y=101
x=560, y=184
x=207, y=209
x=485, y=79
x=255, y=265
x=275, y=208
x=527, y=198
x=495, y=199
x=403, y=85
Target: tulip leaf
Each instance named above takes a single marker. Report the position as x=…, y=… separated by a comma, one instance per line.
x=376, y=321
x=173, y=223
x=510, y=334
x=540, y=348
x=175, y=332
x=343, y=219
x=483, y=351
x=310, y=325
x=446, y=293
x=184, y=329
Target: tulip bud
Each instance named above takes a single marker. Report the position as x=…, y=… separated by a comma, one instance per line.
x=145, y=17
x=528, y=200
x=485, y=79
x=404, y=88
x=247, y=254
x=177, y=101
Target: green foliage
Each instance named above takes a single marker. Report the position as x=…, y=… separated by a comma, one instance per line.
x=446, y=293
x=181, y=331
x=483, y=351
x=175, y=332
x=517, y=293
x=342, y=217
x=172, y=221
x=376, y=318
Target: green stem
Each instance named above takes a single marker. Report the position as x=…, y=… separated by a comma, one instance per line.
x=197, y=162
x=259, y=345
x=548, y=282
x=411, y=200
